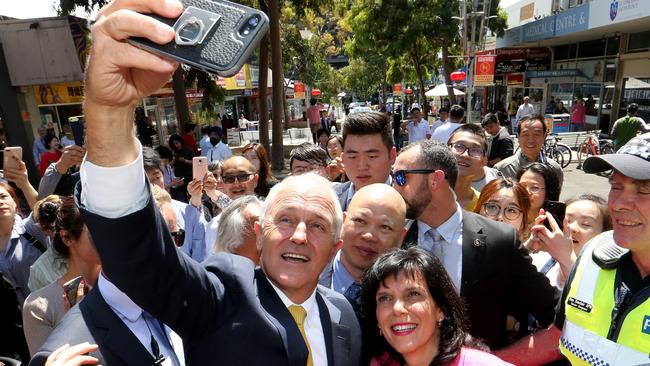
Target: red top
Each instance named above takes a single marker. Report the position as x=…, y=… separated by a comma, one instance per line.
x=48, y=158
x=190, y=143
x=466, y=357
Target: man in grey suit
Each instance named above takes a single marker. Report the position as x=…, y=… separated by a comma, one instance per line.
x=368, y=153
x=489, y=268
x=226, y=310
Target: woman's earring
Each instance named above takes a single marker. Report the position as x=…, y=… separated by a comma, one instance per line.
x=440, y=322
x=380, y=333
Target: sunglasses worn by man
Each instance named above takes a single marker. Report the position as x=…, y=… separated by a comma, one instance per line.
x=241, y=178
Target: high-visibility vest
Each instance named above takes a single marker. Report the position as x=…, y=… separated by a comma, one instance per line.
x=590, y=335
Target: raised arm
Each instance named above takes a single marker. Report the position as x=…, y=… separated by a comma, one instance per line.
x=134, y=244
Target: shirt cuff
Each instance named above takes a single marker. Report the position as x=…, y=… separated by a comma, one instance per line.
x=114, y=192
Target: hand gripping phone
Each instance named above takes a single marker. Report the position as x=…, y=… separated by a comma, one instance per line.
x=212, y=35
x=199, y=167
x=70, y=289
x=9, y=154
x=558, y=210
x=77, y=127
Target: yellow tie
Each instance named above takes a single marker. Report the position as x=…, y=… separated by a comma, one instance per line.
x=299, y=314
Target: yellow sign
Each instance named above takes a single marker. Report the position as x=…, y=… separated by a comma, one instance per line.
x=72, y=92
x=240, y=81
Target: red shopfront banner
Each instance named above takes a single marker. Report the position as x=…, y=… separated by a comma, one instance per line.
x=298, y=90
x=514, y=79
x=397, y=88
x=484, y=70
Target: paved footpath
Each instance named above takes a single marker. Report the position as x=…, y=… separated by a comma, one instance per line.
x=577, y=182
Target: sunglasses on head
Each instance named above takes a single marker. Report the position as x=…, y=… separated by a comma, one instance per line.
x=399, y=176
x=179, y=237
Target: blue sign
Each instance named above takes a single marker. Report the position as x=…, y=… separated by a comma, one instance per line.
x=646, y=325
x=540, y=29
x=613, y=9
x=572, y=21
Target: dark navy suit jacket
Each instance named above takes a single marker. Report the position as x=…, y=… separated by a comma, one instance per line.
x=225, y=310
x=498, y=278
x=93, y=321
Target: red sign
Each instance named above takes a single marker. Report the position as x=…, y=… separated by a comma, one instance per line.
x=397, y=88
x=484, y=70
x=457, y=76
x=514, y=79
x=298, y=87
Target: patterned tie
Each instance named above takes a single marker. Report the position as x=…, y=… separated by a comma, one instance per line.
x=299, y=314
x=352, y=294
x=438, y=242
x=162, y=340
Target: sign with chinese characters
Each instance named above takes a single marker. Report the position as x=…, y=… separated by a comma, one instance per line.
x=484, y=70
x=299, y=90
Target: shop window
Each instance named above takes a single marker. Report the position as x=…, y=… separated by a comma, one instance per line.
x=565, y=52
x=636, y=90
x=593, y=48
x=612, y=45
x=639, y=42
x=610, y=70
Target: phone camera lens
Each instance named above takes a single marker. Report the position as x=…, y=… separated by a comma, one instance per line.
x=253, y=22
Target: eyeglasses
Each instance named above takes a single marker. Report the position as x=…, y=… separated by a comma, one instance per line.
x=493, y=210
x=460, y=148
x=399, y=176
x=534, y=189
x=241, y=178
x=306, y=169
x=178, y=237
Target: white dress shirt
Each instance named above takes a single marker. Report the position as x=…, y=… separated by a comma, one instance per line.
x=443, y=132
x=131, y=315
x=525, y=109
x=452, y=251
x=312, y=324
x=418, y=131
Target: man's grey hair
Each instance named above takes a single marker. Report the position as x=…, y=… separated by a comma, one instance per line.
x=316, y=185
x=232, y=226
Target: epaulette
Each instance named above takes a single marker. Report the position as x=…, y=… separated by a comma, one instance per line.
x=607, y=256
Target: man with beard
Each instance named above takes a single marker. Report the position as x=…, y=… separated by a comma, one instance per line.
x=218, y=151
x=491, y=270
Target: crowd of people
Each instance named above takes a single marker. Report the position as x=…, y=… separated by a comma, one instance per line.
x=450, y=252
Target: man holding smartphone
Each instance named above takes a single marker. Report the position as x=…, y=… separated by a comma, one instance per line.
x=221, y=307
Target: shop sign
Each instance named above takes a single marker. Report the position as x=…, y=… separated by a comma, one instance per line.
x=540, y=29
x=507, y=67
x=484, y=70
x=64, y=93
x=572, y=20
x=553, y=73
x=397, y=88
x=515, y=79
x=605, y=12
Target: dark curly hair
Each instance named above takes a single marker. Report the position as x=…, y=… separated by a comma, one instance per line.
x=415, y=262
x=45, y=212
x=68, y=219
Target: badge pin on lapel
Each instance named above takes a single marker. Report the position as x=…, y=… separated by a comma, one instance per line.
x=478, y=242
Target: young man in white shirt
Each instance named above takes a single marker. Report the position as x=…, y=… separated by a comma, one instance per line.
x=417, y=127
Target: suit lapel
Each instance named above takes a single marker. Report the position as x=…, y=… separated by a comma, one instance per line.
x=117, y=343
x=294, y=344
x=474, y=247
x=325, y=278
x=337, y=336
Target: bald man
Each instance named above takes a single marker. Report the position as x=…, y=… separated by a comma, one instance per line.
x=372, y=225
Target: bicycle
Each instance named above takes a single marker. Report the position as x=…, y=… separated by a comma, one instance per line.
x=595, y=144
x=559, y=152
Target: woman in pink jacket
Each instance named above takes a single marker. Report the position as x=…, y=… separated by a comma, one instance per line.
x=578, y=115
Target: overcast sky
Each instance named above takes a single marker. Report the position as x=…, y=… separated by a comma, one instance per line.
x=24, y=9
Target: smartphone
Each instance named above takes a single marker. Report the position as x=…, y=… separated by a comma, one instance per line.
x=212, y=35
x=10, y=155
x=77, y=127
x=557, y=209
x=70, y=289
x=199, y=167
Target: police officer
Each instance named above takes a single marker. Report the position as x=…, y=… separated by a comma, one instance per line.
x=604, y=313
x=605, y=309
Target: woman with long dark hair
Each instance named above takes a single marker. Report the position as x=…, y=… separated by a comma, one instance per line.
x=257, y=155
x=182, y=164
x=414, y=314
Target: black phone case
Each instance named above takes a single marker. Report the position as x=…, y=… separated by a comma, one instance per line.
x=223, y=51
